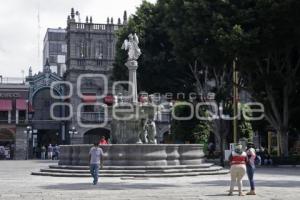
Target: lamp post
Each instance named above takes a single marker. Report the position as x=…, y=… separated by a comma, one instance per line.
x=27, y=132
x=221, y=135
x=72, y=132
x=235, y=101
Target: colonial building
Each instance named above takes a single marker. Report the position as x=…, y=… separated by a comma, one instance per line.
x=90, y=57
x=48, y=130
x=68, y=104
x=14, y=117
x=55, y=50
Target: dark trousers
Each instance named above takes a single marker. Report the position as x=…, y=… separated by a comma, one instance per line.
x=250, y=173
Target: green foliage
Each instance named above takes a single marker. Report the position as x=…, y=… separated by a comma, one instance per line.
x=245, y=127
x=262, y=34
x=183, y=129
x=193, y=130
x=202, y=131
x=158, y=71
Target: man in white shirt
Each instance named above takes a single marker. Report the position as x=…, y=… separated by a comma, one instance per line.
x=96, y=159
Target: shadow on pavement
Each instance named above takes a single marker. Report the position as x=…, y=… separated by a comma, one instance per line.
x=106, y=186
x=278, y=171
x=271, y=183
x=217, y=195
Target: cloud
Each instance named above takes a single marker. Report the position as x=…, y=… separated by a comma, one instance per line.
x=19, y=26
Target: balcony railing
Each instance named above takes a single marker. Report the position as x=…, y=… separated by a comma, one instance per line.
x=11, y=80
x=99, y=117
x=93, y=117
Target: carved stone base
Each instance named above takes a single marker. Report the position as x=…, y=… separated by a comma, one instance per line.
x=136, y=154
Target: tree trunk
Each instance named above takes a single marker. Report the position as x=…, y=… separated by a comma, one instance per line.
x=216, y=131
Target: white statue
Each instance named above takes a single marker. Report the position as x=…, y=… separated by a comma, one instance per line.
x=151, y=132
x=131, y=45
x=143, y=132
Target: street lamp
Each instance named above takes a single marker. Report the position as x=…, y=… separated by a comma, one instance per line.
x=28, y=132
x=235, y=97
x=73, y=132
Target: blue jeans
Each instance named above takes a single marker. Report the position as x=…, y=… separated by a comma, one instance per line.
x=94, y=168
x=250, y=173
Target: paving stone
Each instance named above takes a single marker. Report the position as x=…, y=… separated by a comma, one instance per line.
x=16, y=183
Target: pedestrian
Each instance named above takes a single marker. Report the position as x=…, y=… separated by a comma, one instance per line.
x=56, y=152
x=211, y=149
x=238, y=160
x=43, y=152
x=251, y=167
x=50, y=152
x=103, y=140
x=96, y=159
x=2, y=153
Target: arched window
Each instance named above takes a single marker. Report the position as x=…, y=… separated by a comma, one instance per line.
x=99, y=50
x=80, y=49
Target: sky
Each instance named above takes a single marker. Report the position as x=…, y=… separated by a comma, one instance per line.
x=21, y=39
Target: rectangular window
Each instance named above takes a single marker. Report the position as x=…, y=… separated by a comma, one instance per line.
x=64, y=48
x=22, y=115
x=89, y=108
x=3, y=116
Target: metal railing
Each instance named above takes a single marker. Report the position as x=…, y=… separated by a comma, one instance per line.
x=92, y=117
x=11, y=80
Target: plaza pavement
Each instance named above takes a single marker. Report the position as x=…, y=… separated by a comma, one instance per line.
x=17, y=183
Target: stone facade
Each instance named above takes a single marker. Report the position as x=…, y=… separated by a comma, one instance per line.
x=14, y=120
x=91, y=51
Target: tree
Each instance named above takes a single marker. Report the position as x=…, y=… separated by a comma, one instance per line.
x=187, y=43
x=158, y=71
x=270, y=63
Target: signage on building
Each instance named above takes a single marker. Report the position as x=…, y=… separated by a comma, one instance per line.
x=10, y=95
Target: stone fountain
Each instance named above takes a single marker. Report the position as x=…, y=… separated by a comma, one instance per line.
x=134, y=151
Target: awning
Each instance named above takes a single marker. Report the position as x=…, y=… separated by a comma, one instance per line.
x=5, y=105
x=89, y=98
x=21, y=104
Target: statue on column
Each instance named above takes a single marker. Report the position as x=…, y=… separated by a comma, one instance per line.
x=131, y=45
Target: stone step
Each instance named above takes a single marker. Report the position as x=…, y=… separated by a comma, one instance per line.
x=127, y=171
x=71, y=167
x=151, y=175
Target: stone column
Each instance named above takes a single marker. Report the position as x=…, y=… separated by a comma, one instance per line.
x=17, y=116
x=21, y=144
x=9, y=117
x=132, y=67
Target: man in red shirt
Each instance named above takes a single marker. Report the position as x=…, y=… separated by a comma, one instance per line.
x=103, y=141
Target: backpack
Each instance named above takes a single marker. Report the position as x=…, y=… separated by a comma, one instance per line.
x=257, y=160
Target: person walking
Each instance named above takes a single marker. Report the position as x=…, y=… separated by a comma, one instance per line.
x=50, y=152
x=56, y=152
x=43, y=152
x=238, y=160
x=96, y=159
x=251, y=167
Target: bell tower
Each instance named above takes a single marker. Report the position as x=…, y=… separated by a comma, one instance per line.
x=90, y=51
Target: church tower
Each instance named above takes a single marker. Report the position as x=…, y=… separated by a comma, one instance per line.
x=90, y=55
